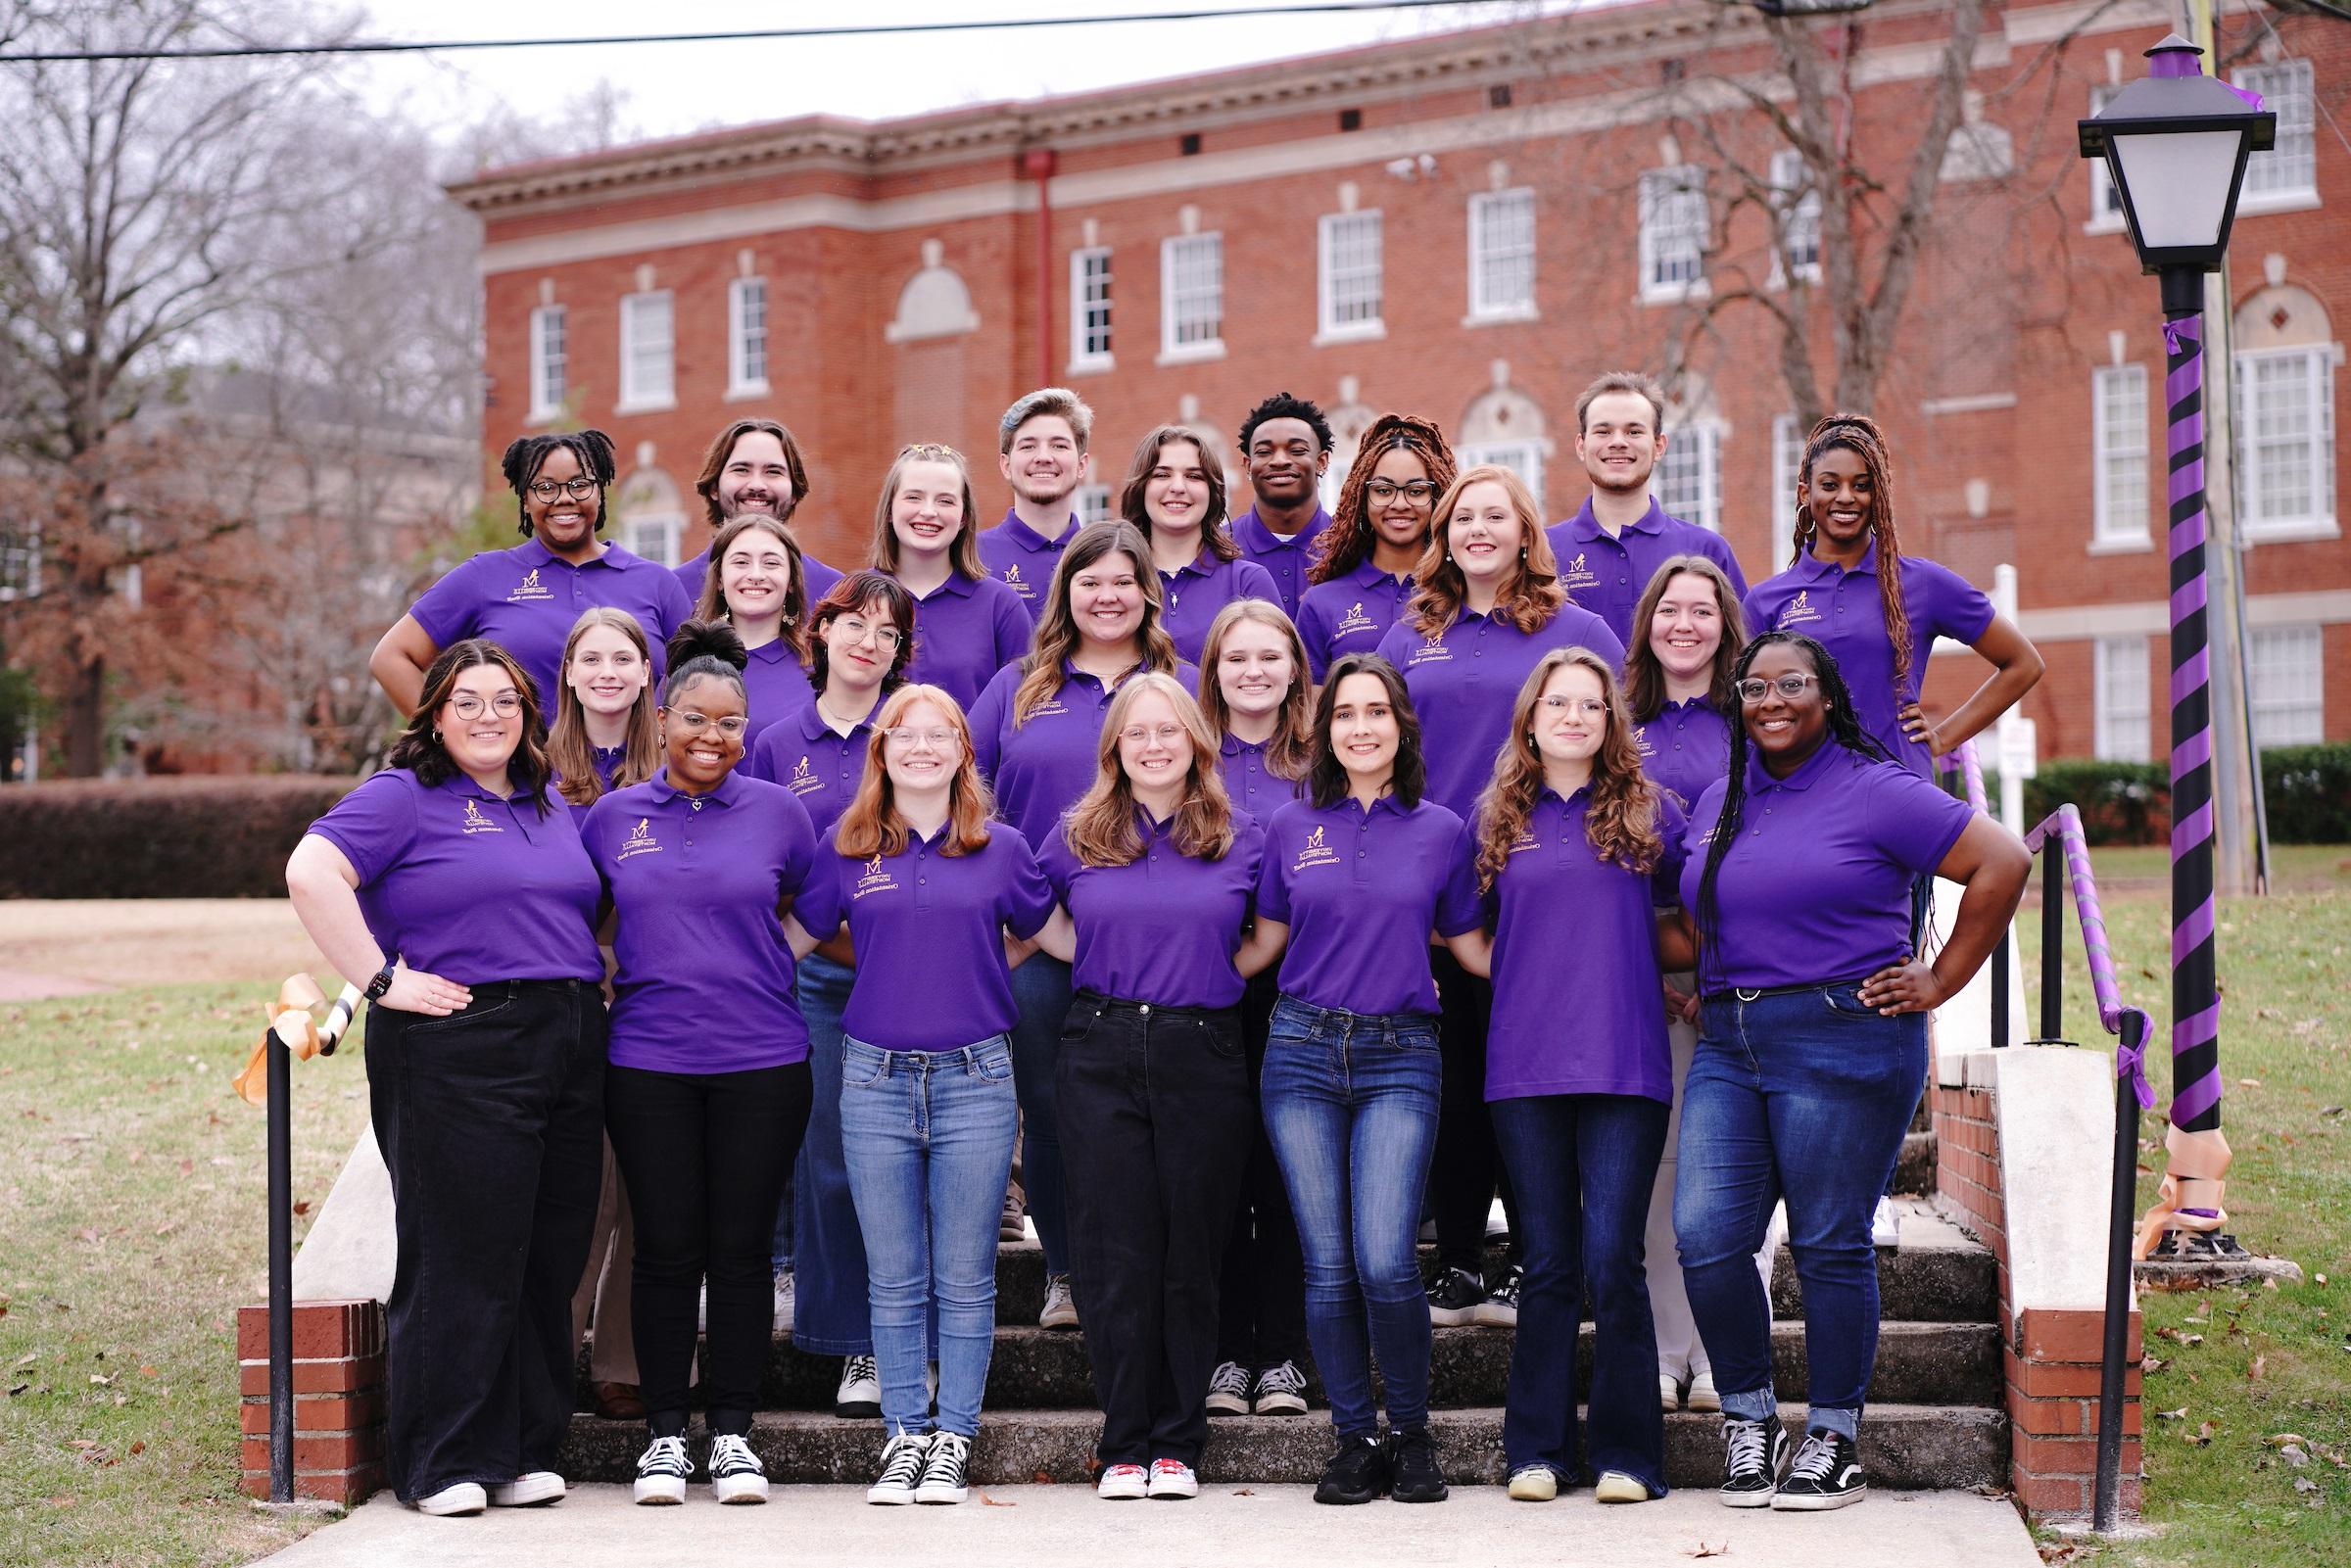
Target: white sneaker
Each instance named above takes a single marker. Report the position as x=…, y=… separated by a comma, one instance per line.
x=1229, y=1389
x=1123, y=1483
x=1061, y=1307
x=736, y=1473
x=661, y=1472
x=1669, y=1392
x=1883, y=1231
x=859, y=1397
x=947, y=1471
x=786, y=1300
x=1172, y=1480
x=902, y=1462
x=1701, y=1392
x=527, y=1491
x=463, y=1497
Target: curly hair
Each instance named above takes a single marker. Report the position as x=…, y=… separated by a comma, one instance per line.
x=1845, y=730
x=1057, y=628
x=1283, y=405
x=1859, y=434
x=527, y=454
x=1291, y=750
x=421, y=747
x=704, y=650
x=1351, y=537
x=1100, y=827
x=1645, y=677
x=1621, y=821
x=1529, y=597
x=1215, y=528
x=860, y=590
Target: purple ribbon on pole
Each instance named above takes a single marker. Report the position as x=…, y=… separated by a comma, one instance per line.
x=2130, y=1061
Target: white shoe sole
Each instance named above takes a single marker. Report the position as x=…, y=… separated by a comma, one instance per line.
x=740, y=1489
x=1065, y=1320
x=937, y=1494
x=1179, y=1491
x=1707, y=1399
x=1122, y=1493
x=1281, y=1404
x=454, y=1502
x=1669, y=1396
x=1748, y=1499
x=1228, y=1404
x=660, y=1491
x=889, y=1497
x=528, y=1491
x=1816, y=1501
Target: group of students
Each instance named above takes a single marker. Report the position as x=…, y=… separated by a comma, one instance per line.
x=1274, y=883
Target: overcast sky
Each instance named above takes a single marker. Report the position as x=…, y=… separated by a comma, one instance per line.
x=678, y=88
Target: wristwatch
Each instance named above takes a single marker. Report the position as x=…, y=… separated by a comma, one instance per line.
x=382, y=981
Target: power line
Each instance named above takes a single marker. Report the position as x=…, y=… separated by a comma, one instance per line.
x=1297, y=7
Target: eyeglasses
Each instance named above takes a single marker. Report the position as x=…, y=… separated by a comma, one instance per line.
x=906, y=737
x=693, y=723
x=505, y=705
x=857, y=630
x=1418, y=491
x=1752, y=690
x=1164, y=734
x=1588, y=708
x=577, y=489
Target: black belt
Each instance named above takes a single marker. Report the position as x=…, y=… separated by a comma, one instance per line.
x=1119, y=1004
x=1756, y=993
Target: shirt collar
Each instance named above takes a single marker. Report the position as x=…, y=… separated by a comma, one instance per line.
x=1203, y=564
x=1575, y=801
x=1028, y=538
x=1816, y=569
x=1370, y=575
x=1233, y=745
x=1586, y=528
x=462, y=783
x=729, y=791
x=532, y=552
x=957, y=584
x=1808, y=772
x=773, y=651
x=1257, y=536
x=1387, y=802
x=814, y=728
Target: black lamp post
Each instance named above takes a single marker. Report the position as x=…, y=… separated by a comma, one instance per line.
x=2176, y=144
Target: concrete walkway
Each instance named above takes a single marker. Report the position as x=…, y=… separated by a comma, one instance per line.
x=596, y=1526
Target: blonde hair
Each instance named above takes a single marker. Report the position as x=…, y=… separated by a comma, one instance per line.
x=568, y=750
x=1292, y=748
x=1529, y=597
x=1621, y=821
x=1101, y=827
x=963, y=555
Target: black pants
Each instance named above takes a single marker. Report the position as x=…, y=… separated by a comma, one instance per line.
x=1260, y=1316
x=492, y=1126
x=1466, y=1172
x=705, y=1155
x=1155, y=1129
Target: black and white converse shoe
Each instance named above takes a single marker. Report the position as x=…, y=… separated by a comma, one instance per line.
x=1500, y=1309
x=661, y=1471
x=1228, y=1389
x=946, y=1472
x=1827, y=1474
x=859, y=1397
x=1281, y=1390
x=902, y=1460
x=736, y=1473
x=1454, y=1297
x=1753, y=1454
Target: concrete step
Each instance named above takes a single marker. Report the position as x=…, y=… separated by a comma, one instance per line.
x=1906, y=1447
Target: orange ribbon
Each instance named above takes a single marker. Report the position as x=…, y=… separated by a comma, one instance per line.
x=294, y=1018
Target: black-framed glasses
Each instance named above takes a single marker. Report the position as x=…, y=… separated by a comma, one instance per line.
x=1418, y=491
x=1754, y=689
x=578, y=489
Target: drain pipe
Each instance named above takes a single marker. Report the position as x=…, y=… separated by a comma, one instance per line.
x=1037, y=163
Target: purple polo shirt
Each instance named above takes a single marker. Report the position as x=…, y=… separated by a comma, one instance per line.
x=1841, y=610
x=1685, y=749
x=1578, y=1000
x=928, y=929
x=1818, y=886
x=1195, y=592
x=1039, y=768
x=607, y=763
x=1023, y=559
x=1359, y=891
x=1607, y=576
x=775, y=685
x=964, y=633
x=705, y=982
x=690, y=576
x=820, y=766
x=1349, y=614
x=1162, y=928
x=1285, y=559
x=1464, y=681
x=426, y=857
x=1254, y=787
x=525, y=600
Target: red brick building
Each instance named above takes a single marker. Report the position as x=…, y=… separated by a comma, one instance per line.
x=1470, y=227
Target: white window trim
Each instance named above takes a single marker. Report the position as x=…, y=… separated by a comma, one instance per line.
x=673, y=534
x=1082, y=362
x=2317, y=667
x=1473, y=454
x=632, y=400
x=1327, y=331
x=544, y=409
x=2105, y=536
x=1786, y=457
x=1808, y=272
x=1093, y=503
x=2291, y=197
x=1708, y=435
x=737, y=384
x=2321, y=525
x=2104, y=744
x=1673, y=293
x=1170, y=351
x=1482, y=314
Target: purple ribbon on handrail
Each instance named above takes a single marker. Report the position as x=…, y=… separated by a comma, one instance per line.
x=2130, y=1062
x=1971, y=769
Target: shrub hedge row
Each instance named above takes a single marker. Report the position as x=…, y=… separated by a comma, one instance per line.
x=178, y=837
x=2306, y=792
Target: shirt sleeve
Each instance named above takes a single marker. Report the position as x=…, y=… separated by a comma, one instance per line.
x=1010, y=621
x=797, y=830
x=760, y=763
x=1912, y=820
x=818, y=907
x=1951, y=606
x=1249, y=842
x=1315, y=635
x=451, y=609
x=374, y=825
x=1060, y=865
x=1594, y=632
x=1272, y=888
x=1674, y=827
x=1028, y=894
x=987, y=720
x=1252, y=580
x=670, y=603
x=1719, y=551
x=1460, y=909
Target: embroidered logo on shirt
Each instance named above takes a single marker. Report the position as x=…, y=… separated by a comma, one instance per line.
x=1575, y=574
x=639, y=842
x=874, y=879
x=1314, y=852
x=476, y=822
x=803, y=780
x=1432, y=651
x=1051, y=707
x=1800, y=610
x=1524, y=842
x=1355, y=620
x=1012, y=576
x=1641, y=741
x=530, y=589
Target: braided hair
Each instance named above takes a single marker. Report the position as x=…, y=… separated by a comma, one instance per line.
x=592, y=448
x=1859, y=434
x=1845, y=730
x=1350, y=537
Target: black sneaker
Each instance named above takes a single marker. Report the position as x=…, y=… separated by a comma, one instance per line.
x=1500, y=1309
x=1357, y=1473
x=1753, y=1454
x=1417, y=1477
x=1229, y=1389
x=1454, y=1298
x=1827, y=1474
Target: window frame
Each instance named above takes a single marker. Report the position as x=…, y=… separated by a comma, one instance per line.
x=2254, y=524
x=1084, y=329
x=1330, y=232
x=2304, y=665
x=1484, y=256
x=1787, y=462
x=1707, y=435
x=1802, y=216
x=1656, y=199
x=741, y=343
x=2289, y=89
x=634, y=396
x=543, y=405
x=1172, y=296
x=2108, y=531
x=1523, y=457
x=2118, y=733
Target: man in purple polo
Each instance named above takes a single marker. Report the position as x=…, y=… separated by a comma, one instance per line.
x=1041, y=444
x=1608, y=551
x=1286, y=443
x=754, y=465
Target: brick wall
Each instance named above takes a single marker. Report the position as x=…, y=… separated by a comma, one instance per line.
x=338, y=1400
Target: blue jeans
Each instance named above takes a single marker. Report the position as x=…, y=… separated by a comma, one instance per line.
x=830, y=1313
x=1040, y=988
x=929, y=1139
x=1803, y=1095
x=1351, y=1103
x=1583, y=1166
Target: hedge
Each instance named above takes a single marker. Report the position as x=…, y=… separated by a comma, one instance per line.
x=2306, y=792
x=172, y=837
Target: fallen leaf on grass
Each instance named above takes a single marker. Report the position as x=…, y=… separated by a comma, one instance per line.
x=303, y=1207
x=166, y=1227
x=2259, y=1364
x=2201, y=1437
x=101, y=1380
x=2293, y=1456
x=2279, y=1440
x=147, y=1371
x=2152, y=1364
x=28, y=1357
x=2305, y=1483
x=139, y=1446
x=2180, y=1414
x=2248, y=1083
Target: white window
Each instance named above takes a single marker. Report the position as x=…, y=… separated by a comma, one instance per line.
x=1092, y=503
x=1350, y=269
x=2118, y=432
x=2105, y=200
x=1089, y=308
x=1690, y=475
x=746, y=336
x=2288, y=679
x=547, y=362
x=2122, y=699
x=1501, y=254
x=1521, y=457
x=1674, y=232
x=2286, y=432
x=1191, y=305
x=2289, y=170
x=1797, y=197
x=647, y=377
x=655, y=537
x=1786, y=458
x=20, y=561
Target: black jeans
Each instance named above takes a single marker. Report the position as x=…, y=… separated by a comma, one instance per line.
x=705, y=1155
x=1261, y=1315
x=1466, y=1172
x=491, y=1121
x=1155, y=1127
